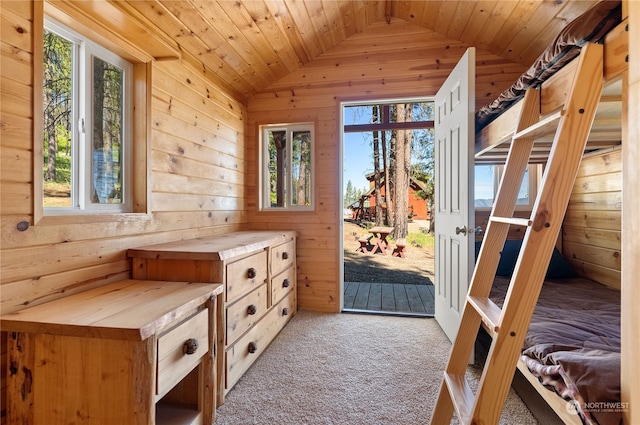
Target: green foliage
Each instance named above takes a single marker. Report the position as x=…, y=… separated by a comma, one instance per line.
x=352, y=194
x=63, y=158
x=106, y=109
x=63, y=169
x=420, y=239
x=422, y=145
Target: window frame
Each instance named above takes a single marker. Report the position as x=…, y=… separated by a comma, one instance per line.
x=264, y=193
x=85, y=51
x=140, y=120
x=534, y=176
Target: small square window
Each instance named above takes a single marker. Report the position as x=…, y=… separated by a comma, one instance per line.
x=287, y=166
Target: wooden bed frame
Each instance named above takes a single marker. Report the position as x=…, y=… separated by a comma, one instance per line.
x=492, y=144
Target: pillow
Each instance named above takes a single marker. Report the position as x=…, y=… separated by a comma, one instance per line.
x=558, y=266
x=509, y=256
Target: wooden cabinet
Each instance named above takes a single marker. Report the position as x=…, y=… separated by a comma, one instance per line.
x=258, y=269
x=132, y=352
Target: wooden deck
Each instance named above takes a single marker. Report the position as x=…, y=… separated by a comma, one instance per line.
x=389, y=298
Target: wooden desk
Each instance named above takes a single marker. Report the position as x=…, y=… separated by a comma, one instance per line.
x=380, y=233
x=132, y=352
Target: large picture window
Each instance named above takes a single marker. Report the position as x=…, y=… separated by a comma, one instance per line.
x=287, y=171
x=87, y=125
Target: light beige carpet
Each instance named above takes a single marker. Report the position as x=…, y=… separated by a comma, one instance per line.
x=349, y=369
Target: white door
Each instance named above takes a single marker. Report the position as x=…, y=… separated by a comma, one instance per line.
x=454, y=209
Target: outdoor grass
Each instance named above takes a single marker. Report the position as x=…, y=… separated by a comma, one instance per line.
x=57, y=194
x=420, y=239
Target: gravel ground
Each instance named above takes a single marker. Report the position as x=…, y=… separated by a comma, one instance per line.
x=415, y=268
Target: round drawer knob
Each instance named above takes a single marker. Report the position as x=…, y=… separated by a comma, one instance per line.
x=252, y=309
x=285, y=255
x=285, y=311
x=190, y=346
x=253, y=347
x=251, y=273
x=286, y=283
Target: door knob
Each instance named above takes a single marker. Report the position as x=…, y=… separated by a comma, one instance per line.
x=462, y=230
x=478, y=230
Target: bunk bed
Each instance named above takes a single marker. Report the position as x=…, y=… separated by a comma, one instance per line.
x=572, y=350
x=495, y=121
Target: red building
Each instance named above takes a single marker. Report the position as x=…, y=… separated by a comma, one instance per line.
x=418, y=208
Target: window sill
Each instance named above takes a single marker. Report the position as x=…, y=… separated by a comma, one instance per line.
x=81, y=218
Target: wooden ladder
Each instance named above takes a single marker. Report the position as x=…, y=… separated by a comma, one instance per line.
x=508, y=325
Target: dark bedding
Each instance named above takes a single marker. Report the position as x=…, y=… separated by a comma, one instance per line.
x=573, y=345
x=591, y=26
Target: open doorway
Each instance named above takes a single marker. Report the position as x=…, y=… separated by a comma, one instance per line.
x=388, y=252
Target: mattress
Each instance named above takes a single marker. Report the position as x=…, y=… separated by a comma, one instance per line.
x=573, y=345
x=591, y=26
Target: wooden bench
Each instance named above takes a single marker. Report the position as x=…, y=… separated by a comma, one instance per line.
x=398, y=251
x=364, y=243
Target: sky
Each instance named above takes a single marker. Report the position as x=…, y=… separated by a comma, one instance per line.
x=358, y=161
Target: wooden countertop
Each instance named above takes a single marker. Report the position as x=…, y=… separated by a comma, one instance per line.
x=217, y=247
x=128, y=309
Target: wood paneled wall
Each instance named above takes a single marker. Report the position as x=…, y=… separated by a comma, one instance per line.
x=196, y=179
x=202, y=156
x=515, y=232
x=591, y=232
x=630, y=369
x=387, y=61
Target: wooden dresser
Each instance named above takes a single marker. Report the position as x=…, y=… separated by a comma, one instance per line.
x=132, y=352
x=258, y=269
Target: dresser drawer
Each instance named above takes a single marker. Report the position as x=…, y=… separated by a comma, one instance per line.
x=282, y=284
x=245, y=312
x=245, y=275
x=181, y=349
x=248, y=348
x=282, y=256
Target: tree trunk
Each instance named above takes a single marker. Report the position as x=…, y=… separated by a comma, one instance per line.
x=376, y=168
x=385, y=168
x=98, y=154
x=390, y=177
x=432, y=219
x=52, y=140
x=303, y=187
x=280, y=141
x=403, y=164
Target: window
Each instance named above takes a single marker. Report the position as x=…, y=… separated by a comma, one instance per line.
x=87, y=123
x=487, y=179
x=287, y=174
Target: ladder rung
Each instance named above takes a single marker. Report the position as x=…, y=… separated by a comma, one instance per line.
x=489, y=312
x=543, y=127
x=461, y=396
x=512, y=220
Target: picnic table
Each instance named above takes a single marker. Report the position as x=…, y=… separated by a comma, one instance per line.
x=380, y=234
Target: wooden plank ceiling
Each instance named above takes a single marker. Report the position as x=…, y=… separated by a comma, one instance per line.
x=251, y=44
